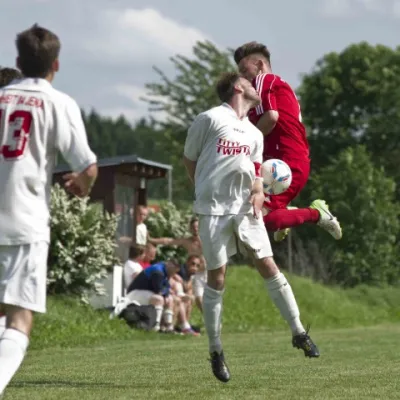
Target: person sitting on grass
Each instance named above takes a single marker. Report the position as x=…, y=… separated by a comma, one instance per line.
x=150, y=253
x=152, y=286
x=181, y=285
x=132, y=267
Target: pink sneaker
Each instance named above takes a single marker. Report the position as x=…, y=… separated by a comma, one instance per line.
x=190, y=331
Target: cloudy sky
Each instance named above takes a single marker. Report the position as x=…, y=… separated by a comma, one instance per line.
x=110, y=46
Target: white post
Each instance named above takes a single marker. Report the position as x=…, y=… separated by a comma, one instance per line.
x=169, y=177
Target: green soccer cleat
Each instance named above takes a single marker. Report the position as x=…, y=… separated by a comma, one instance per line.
x=326, y=220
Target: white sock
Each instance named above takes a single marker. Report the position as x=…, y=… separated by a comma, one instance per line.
x=212, y=312
x=185, y=326
x=282, y=295
x=159, y=313
x=168, y=317
x=13, y=345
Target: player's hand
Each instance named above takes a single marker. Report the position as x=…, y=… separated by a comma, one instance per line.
x=257, y=200
x=75, y=185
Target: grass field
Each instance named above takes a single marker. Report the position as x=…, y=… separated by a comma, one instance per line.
x=78, y=353
x=355, y=364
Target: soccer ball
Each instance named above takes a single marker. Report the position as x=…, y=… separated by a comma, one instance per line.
x=277, y=176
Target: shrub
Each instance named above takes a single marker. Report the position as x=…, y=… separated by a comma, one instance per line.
x=82, y=245
x=170, y=222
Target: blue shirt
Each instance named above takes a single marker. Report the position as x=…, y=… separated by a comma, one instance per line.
x=184, y=273
x=154, y=279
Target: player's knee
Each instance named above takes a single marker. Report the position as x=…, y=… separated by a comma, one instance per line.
x=157, y=300
x=19, y=319
x=267, y=267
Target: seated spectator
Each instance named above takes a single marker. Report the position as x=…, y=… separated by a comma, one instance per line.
x=181, y=285
x=150, y=253
x=199, y=282
x=132, y=266
x=152, y=286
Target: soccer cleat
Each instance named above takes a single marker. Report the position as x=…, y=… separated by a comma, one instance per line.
x=304, y=342
x=219, y=367
x=326, y=220
x=281, y=234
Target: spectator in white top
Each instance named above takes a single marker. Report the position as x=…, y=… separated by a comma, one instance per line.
x=142, y=234
x=37, y=121
x=132, y=266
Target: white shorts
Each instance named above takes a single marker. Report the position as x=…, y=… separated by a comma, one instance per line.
x=199, y=282
x=23, y=275
x=140, y=296
x=223, y=236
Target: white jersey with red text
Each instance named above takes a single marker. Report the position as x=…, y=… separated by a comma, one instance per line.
x=227, y=151
x=36, y=121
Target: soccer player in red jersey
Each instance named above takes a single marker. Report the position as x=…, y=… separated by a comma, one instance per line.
x=285, y=138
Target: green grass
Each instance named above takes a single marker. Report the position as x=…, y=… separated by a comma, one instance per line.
x=78, y=353
x=247, y=308
x=355, y=364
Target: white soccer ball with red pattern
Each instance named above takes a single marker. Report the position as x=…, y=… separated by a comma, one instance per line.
x=277, y=176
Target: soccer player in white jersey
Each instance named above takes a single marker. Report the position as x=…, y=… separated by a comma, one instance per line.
x=36, y=121
x=223, y=155
x=7, y=75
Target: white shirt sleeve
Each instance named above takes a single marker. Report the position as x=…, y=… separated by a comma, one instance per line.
x=131, y=268
x=257, y=153
x=72, y=140
x=196, y=136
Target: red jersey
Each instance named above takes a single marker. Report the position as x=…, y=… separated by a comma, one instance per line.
x=288, y=139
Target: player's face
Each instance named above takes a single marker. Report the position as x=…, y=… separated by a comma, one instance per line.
x=249, y=93
x=141, y=215
x=195, y=228
x=249, y=68
x=193, y=266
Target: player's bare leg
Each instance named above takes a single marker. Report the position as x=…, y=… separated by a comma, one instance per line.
x=212, y=312
x=14, y=342
x=282, y=295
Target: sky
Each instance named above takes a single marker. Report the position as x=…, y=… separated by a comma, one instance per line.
x=110, y=46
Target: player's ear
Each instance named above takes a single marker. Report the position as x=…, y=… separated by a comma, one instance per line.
x=238, y=87
x=56, y=65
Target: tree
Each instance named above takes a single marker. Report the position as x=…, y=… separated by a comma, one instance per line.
x=353, y=97
x=181, y=98
x=363, y=198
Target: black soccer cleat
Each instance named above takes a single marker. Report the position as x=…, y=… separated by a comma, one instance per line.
x=219, y=367
x=304, y=342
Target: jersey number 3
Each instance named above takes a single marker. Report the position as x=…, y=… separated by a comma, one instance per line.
x=18, y=126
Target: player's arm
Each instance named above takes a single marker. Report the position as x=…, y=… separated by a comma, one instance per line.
x=157, y=279
x=257, y=190
x=194, y=143
x=169, y=241
x=72, y=142
x=268, y=122
x=265, y=86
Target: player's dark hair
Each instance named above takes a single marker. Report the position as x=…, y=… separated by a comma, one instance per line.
x=175, y=262
x=226, y=86
x=250, y=48
x=193, y=220
x=37, y=48
x=7, y=75
x=192, y=257
x=135, y=251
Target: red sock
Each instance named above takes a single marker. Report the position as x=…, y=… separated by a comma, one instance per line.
x=283, y=218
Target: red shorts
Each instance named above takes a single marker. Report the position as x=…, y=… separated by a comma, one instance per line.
x=300, y=172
